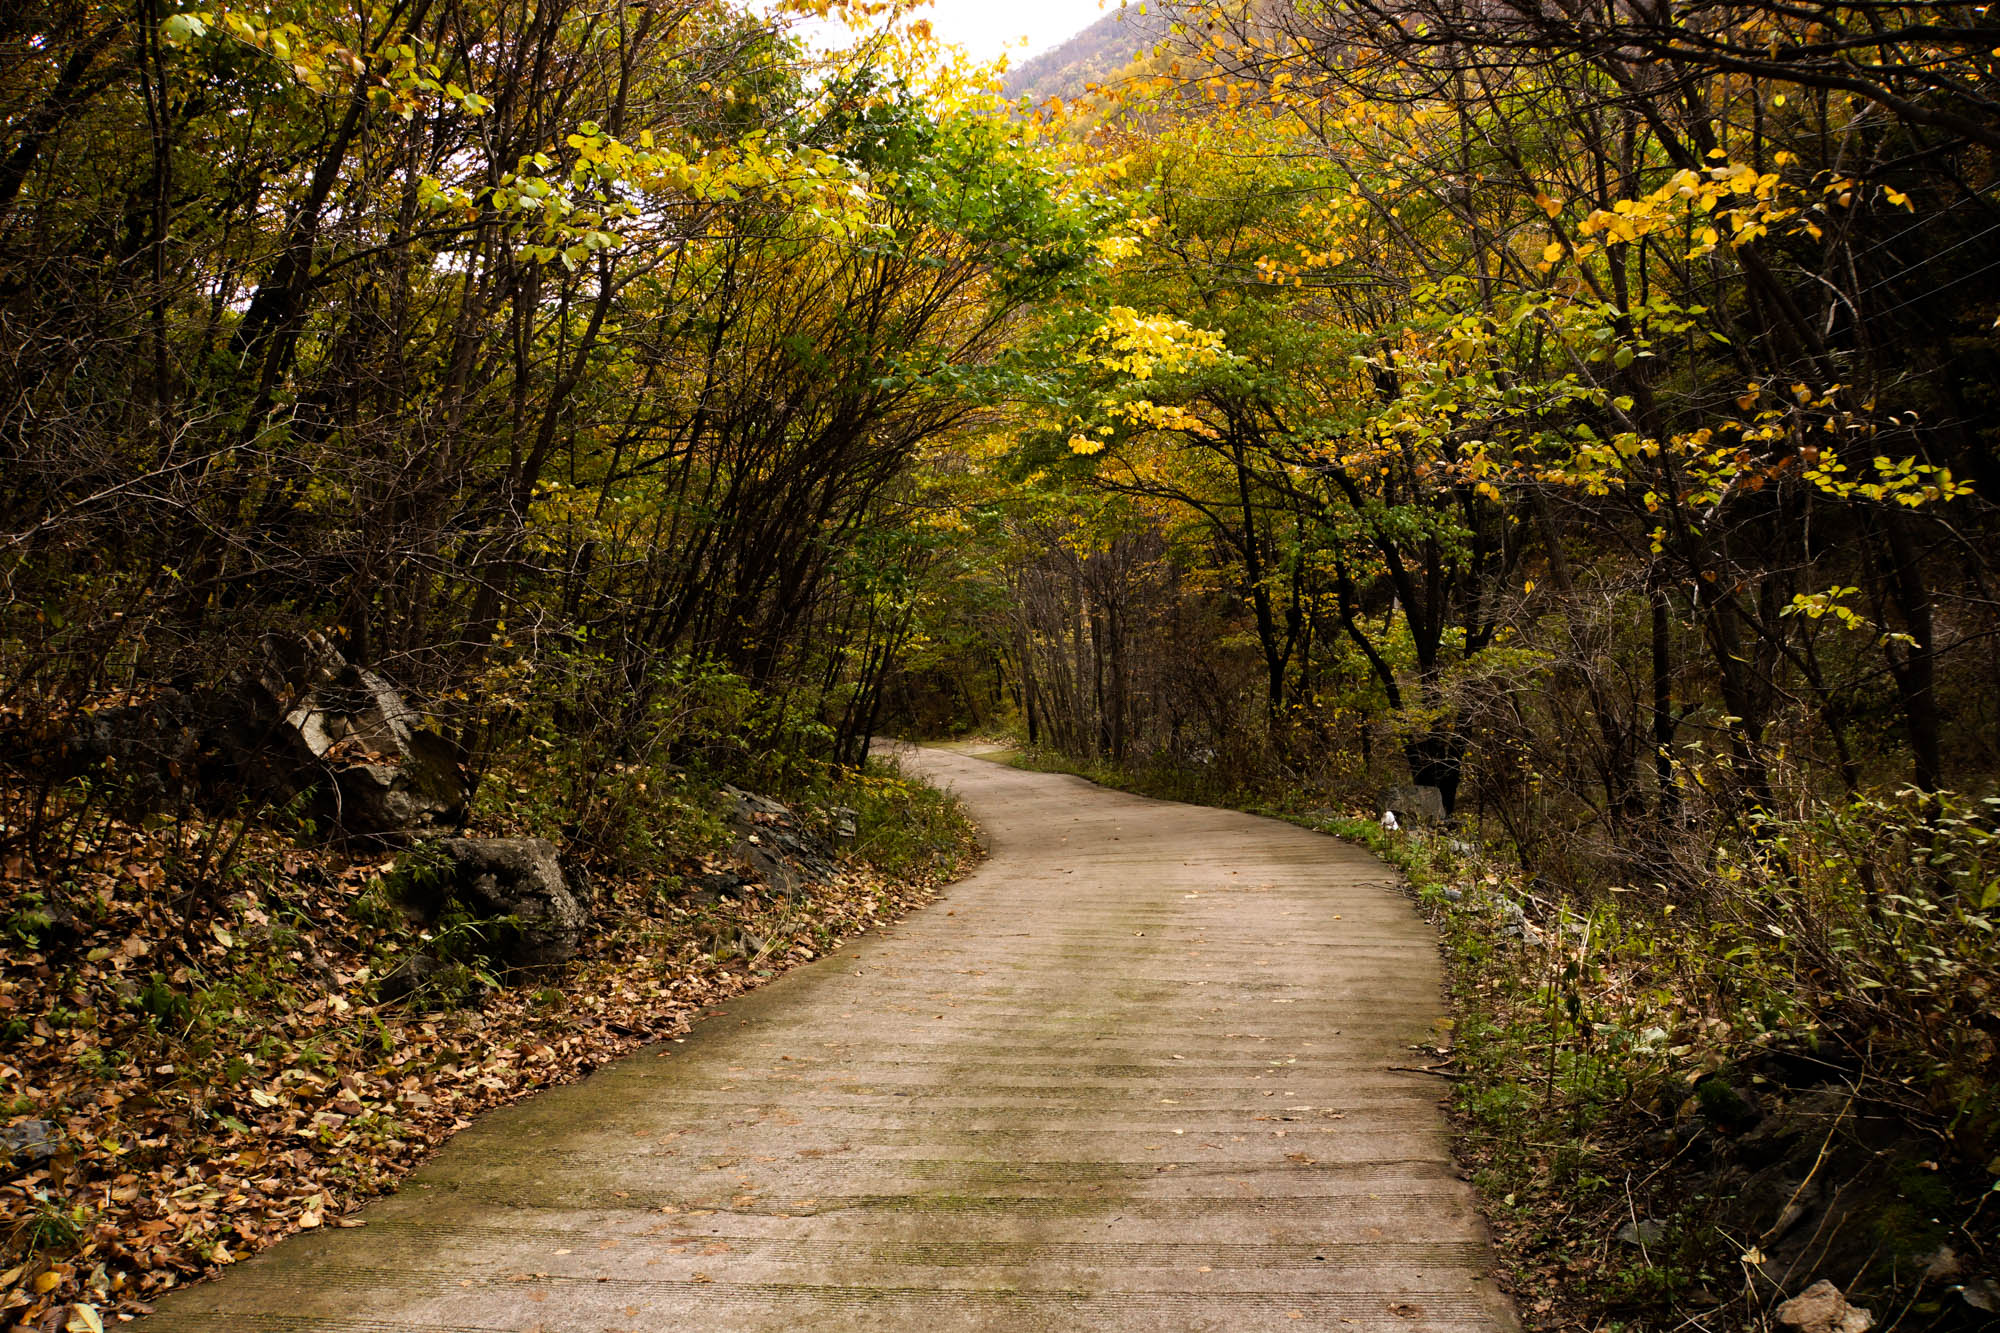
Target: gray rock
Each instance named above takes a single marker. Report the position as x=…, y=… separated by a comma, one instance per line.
x=293, y=718
x=1414, y=804
x=408, y=977
x=521, y=878
x=27, y=1144
x=1453, y=895
x=1821, y=1308
x=772, y=844
x=1645, y=1231
x=714, y=886
x=1806, y=1118
x=1943, y=1263
x=150, y=753
x=297, y=718
x=1514, y=923
x=583, y=885
x=375, y=769
x=763, y=862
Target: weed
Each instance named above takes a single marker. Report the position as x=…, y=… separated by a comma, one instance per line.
x=55, y=1227
x=168, y=1007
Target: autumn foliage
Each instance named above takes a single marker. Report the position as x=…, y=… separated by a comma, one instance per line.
x=1582, y=409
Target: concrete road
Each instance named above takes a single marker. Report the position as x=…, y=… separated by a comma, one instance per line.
x=1134, y=1073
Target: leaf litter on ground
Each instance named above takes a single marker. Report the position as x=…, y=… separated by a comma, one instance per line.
x=220, y=1074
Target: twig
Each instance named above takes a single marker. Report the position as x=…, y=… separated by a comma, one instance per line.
x=1638, y=1232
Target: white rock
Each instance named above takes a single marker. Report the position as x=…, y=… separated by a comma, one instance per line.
x=1821, y=1308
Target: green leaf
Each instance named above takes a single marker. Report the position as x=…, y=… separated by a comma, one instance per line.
x=180, y=29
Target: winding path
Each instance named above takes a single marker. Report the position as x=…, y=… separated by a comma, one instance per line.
x=1134, y=1073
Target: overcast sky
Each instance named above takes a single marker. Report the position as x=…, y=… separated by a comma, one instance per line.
x=987, y=27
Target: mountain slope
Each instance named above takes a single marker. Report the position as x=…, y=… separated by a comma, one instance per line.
x=1093, y=55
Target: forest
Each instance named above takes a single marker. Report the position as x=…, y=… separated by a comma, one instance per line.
x=1585, y=411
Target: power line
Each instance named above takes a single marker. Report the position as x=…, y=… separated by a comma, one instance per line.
x=1959, y=281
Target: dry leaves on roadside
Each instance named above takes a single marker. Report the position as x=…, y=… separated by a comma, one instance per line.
x=219, y=1075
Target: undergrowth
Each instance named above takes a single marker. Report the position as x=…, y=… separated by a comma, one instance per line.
x=222, y=1067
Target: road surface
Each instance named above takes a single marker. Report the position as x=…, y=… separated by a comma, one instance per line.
x=1136, y=1072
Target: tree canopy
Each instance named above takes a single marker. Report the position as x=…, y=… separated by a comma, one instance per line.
x=1585, y=409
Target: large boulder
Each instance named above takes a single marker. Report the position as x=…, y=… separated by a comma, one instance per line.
x=148, y=753
x=294, y=718
x=772, y=844
x=522, y=879
x=344, y=734
x=1414, y=805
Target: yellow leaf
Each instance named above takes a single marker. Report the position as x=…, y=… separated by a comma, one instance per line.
x=47, y=1282
x=1552, y=251
x=83, y=1319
